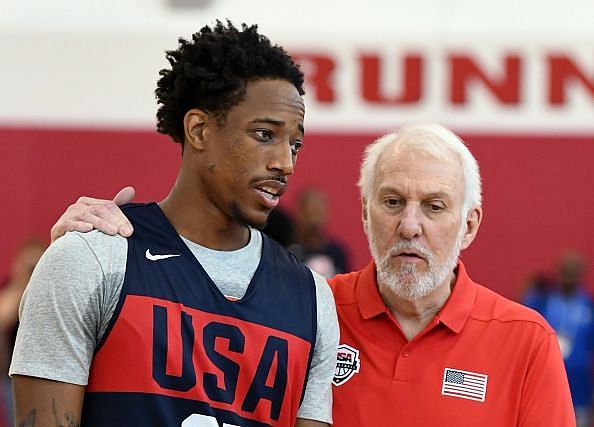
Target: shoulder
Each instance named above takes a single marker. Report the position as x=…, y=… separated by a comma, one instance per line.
x=326, y=308
x=65, y=304
x=324, y=294
x=490, y=306
x=108, y=251
x=76, y=249
x=93, y=259
x=78, y=258
x=94, y=241
x=344, y=285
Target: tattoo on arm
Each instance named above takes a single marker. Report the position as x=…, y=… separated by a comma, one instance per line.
x=69, y=420
x=30, y=420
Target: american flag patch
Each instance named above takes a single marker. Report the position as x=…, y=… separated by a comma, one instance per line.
x=464, y=384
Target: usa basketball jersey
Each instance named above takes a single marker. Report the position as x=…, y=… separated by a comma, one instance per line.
x=179, y=353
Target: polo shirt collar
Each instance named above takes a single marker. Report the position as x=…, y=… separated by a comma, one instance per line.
x=458, y=307
x=453, y=315
x=370, y=301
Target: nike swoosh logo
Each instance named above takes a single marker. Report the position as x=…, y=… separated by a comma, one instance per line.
x=152, y=257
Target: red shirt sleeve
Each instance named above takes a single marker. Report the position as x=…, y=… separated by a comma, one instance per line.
x=546, y=399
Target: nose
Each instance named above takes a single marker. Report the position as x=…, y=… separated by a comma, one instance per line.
x=410, y=224
x=282, y=160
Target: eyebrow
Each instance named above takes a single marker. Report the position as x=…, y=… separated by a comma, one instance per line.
x=275, y=122
x=430, y=195
x=439, y=195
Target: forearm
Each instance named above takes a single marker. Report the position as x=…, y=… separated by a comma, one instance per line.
x=301, y=422
x=41, y=402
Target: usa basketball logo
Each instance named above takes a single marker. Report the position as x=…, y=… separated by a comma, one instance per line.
x=347, y=364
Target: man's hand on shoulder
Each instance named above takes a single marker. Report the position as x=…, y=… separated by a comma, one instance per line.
x=89, y=213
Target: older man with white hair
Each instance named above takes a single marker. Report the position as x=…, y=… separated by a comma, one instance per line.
x=422, y=345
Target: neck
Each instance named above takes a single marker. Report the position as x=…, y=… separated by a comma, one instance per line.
x=414, y=316
x=196, y=218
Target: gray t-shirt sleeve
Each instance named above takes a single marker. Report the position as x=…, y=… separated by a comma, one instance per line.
x=67, y=306
x=317, y=401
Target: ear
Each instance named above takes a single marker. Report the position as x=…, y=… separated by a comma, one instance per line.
x=473, y=222
x=364, y=213
x=195, y=128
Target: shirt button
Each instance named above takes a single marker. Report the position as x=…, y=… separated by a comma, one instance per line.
x=405, y=353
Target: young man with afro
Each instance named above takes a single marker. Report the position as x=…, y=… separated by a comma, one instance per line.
x=197, y=319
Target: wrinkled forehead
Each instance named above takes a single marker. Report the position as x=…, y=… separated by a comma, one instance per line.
x=425, y=143
x=432, y=167
x=412, y=153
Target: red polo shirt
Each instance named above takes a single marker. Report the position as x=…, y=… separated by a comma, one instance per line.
x=482, y=361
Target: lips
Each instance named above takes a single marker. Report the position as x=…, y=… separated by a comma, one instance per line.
x=270, y=191
x=410, y=254
x=404, y=253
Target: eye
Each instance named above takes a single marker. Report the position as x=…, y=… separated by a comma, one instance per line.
x=392, y=202
x=435, y=206
x=296, y=146
x=264, y=135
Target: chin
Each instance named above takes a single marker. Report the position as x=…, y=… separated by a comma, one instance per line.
x=257, y=225
x=407, y=285
x=255, y=219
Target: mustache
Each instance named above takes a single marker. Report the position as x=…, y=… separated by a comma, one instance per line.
x=279, y=178
x=410, y=246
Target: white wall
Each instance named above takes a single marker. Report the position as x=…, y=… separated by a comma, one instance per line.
x=95, y=63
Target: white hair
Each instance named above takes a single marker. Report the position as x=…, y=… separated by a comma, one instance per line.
x=430, y=138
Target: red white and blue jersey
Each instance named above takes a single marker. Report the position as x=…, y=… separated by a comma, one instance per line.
x=179, y=353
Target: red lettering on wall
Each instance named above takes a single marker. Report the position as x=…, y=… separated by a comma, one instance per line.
x=464, y=69
x=318, y=70
x=465, y=75
x=563, y=70
x=411, y=88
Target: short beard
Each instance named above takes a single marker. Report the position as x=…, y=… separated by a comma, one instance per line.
x=241, y=218
x=408, y=283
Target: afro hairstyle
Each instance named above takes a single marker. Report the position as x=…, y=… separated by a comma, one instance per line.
x=211, y=73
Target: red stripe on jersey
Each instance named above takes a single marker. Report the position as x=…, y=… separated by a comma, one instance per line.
x=125, y=361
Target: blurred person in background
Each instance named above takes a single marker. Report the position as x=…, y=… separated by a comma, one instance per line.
x=569, y=308
x=422, y=344
x=11, y=291
x=312, y=245
x=537, y=289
